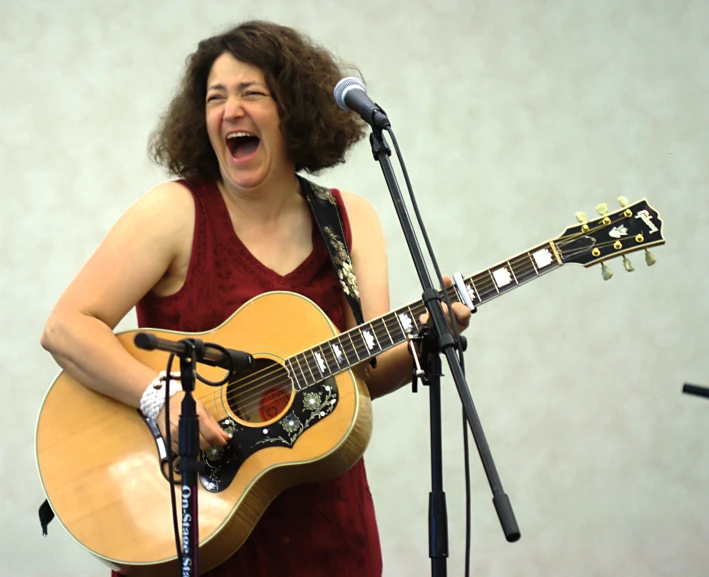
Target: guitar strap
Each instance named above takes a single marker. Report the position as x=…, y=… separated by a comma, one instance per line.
x=327, y=216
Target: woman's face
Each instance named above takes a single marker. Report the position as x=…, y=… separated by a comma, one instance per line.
x=243, y=125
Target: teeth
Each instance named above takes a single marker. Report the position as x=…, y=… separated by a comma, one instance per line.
x=237, y=135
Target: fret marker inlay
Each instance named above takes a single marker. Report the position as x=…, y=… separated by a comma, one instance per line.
x=321, y=363
x=369, y=340
x=406, y=322
x=471, y=293
x=543, y=258
x=338, y=353
x=502, y=277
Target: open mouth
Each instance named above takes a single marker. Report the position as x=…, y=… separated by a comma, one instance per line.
x=242, y=144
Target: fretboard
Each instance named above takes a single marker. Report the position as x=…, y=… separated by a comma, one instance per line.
x=371, y=338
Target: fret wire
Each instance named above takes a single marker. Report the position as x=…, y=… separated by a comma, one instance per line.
x=528, y=273
x=415, y=316
x=531, y=259
x=354, y=347
x=377, y=342
x=379, y=334
x=307, y=359
x=475, y=290
x=514, y=276
x=324, y=359
x=343, y=352
x=330, y=354
x=399, y=314
x=493, y=281
x=305, y=380
x=397, y=326
x=491, y=290
x=360, y=345
x=384, y=324
x=310, y=361
x=333, y=355
x=289, y=368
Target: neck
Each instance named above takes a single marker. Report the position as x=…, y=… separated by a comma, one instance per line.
x=264, y=202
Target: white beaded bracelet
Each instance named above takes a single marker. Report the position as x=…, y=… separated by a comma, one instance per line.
x=153, y=399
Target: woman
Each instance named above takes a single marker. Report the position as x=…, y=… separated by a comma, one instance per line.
x=254, y=108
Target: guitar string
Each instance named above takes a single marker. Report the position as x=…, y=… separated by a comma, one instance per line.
x=519, y=264
x=280, y=374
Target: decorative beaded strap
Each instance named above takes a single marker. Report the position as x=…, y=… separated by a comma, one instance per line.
x=327, y=216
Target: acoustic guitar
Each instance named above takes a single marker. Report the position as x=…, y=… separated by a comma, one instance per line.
x=104, y=469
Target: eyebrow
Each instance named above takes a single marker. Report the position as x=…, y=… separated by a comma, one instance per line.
x=240, y=86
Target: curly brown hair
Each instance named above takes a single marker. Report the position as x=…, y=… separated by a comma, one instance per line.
x=300, y=76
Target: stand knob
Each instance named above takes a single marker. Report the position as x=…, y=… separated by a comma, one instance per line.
x=606, y=273
x=627, y=264
x=581, y=217
x=602, y=209
x=649, y=258
x=623, y=201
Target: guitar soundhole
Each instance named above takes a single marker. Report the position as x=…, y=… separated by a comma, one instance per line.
x=263, y=394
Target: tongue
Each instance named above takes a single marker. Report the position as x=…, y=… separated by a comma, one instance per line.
x=244, y=146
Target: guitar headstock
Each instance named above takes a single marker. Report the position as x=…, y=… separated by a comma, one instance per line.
x=632, y=228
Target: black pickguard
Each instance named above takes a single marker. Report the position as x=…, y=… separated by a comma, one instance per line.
x=309, y=407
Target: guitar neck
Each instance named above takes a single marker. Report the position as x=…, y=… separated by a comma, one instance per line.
x=378, y=335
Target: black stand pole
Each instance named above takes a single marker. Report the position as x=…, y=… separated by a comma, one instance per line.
x=442, y=342
x=437, y=510
x=191, y=352
x=188, y=450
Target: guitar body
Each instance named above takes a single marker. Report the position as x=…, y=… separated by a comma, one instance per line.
x=100, y=465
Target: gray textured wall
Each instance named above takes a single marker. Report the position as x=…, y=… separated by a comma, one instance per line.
x=512, y=116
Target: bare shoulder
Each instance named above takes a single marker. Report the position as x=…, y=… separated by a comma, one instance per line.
x=169, y=203
x=367, y=235
x=360, y=211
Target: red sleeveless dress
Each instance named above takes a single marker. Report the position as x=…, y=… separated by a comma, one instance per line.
x=316, y=530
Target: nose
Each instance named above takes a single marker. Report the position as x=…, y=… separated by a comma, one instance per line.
x=233, y=108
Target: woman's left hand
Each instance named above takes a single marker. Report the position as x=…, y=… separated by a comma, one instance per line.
x=460, y=311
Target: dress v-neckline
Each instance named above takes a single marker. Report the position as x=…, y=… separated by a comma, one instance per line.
x=241, y=247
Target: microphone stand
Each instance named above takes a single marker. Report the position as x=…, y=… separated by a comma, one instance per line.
x=188, y=450
x=190, y=351
x=441, y=341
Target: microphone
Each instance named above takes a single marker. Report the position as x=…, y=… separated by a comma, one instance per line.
x=351, y=94
x=234, y=361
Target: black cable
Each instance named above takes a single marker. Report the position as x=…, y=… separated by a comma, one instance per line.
x=458, y=341
x=468, y=498
x=170, y=455
x=168, y=437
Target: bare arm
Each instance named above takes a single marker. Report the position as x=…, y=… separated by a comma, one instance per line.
x=369, y=260
x=136, y=254
x=147, y=250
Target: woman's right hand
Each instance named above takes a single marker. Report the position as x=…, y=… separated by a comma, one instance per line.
x=210, y=433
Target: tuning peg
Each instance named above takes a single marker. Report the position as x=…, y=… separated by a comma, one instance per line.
x=581, y=217
x=602, y=209
x=623, y=201
x=627, y=264
x=649, y=258
x=606, y=272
